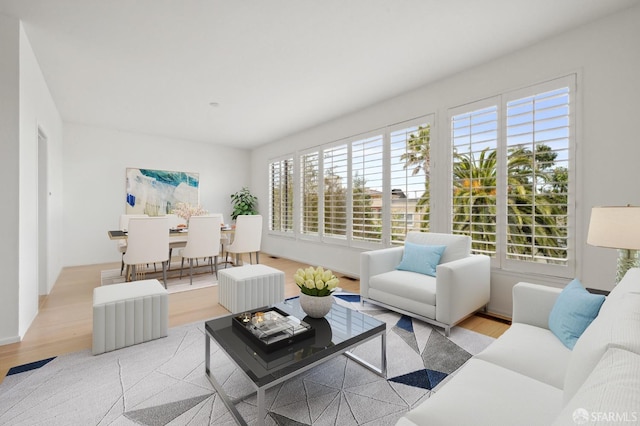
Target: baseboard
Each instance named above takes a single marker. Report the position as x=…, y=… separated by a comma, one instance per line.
x=9, y=340
x=494, y=316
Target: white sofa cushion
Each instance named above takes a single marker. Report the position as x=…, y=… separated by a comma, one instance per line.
x=406, y=284
x=611, y=393
x=629, y=284
x=482, y=393
x=532, y=351
x=616, y=326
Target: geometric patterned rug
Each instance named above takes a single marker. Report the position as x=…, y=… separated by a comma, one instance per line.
x=162, y=382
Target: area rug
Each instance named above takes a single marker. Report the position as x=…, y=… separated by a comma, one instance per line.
x=162, y=382
x=202, y=277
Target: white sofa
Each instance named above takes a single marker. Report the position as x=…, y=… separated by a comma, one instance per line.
x=461, y=285
x=528, y=376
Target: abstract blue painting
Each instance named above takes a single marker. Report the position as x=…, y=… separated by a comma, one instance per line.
x=156, y=192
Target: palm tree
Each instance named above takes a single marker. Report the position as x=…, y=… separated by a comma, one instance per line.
x=474, y=199
x=535, y=214
x=418, y=157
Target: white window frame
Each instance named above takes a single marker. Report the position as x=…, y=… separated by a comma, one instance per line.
x=500, y=261
x=299, y=191
x=415, y=122
x=381, y=134
x=281, y=160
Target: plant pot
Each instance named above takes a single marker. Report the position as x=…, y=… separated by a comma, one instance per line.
x=315, y=306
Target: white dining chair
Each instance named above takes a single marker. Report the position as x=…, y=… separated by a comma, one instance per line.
x=247, y=238
x=148, y=242
x=203, y=241
x=122, y=244
x=175, y=242
x=225, y=238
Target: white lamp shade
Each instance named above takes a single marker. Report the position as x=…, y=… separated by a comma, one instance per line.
x=615, y=227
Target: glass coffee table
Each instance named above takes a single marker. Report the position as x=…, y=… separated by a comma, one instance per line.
x=340, y=331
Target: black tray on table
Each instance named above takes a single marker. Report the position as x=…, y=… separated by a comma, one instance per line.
x=273, y=334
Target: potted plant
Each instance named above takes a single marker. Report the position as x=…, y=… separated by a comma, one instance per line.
x=316, y=288
x=244, y=203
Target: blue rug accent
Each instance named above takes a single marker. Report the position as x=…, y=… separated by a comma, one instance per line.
x=417, y=379
x=425, y=379
x=405, y=322
x=351, y=298
x=435, y=377
x=30, y=366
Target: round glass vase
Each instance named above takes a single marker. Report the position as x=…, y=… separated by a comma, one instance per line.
x=316, y=306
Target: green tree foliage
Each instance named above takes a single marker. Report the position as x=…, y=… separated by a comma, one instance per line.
x=366, y=225
x=536, y=203
x=418, y=159
x=310, y=196
x=335, y=205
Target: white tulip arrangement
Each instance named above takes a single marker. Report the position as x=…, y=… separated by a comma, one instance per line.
x=316, y=282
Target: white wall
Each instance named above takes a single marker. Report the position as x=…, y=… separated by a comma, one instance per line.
x=37, y=111
x=26, y=105
x=10, y=145
x=95, y=161
x=605, y=54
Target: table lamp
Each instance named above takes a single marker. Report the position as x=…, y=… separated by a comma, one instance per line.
x=617, y=227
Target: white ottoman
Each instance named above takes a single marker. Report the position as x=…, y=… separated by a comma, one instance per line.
x=248, y=287
x=129, y=313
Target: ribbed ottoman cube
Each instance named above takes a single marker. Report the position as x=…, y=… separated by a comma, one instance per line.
x=248, y=287
x=129, y=313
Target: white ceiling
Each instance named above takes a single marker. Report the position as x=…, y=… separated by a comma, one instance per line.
x=276, y=67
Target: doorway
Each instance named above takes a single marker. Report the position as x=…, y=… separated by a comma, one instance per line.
x=43, y=195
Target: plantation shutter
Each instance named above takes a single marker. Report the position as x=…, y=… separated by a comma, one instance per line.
x=410, y=166
x=281, y=196
x=538, y=149
x=367, y=175
x=335, y=174
x=474, y=177
x=309, y=189
x=513, y=177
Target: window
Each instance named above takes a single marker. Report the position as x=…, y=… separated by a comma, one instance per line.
x=366, y=190
x=281, y=195
x=475, y=151
x=310, y=193
x=366, y=182
x=335, y=174
x=512, y=177
x=538, y=145
x=410, y=166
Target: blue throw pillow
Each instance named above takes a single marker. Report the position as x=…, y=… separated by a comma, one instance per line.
x=421, y=258
x=573, y=311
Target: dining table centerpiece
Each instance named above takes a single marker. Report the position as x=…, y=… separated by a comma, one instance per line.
x=186, y=210
x=316, y=290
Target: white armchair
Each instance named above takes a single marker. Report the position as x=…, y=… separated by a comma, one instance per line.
x=461, y=285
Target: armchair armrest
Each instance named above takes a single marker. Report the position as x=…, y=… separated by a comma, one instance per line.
x=532, y=303
x=462, y=287
x=377, y=262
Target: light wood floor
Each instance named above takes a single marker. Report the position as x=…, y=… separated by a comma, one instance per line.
x=64, y=321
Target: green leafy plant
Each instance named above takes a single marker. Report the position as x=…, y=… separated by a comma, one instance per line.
x=244, y=203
